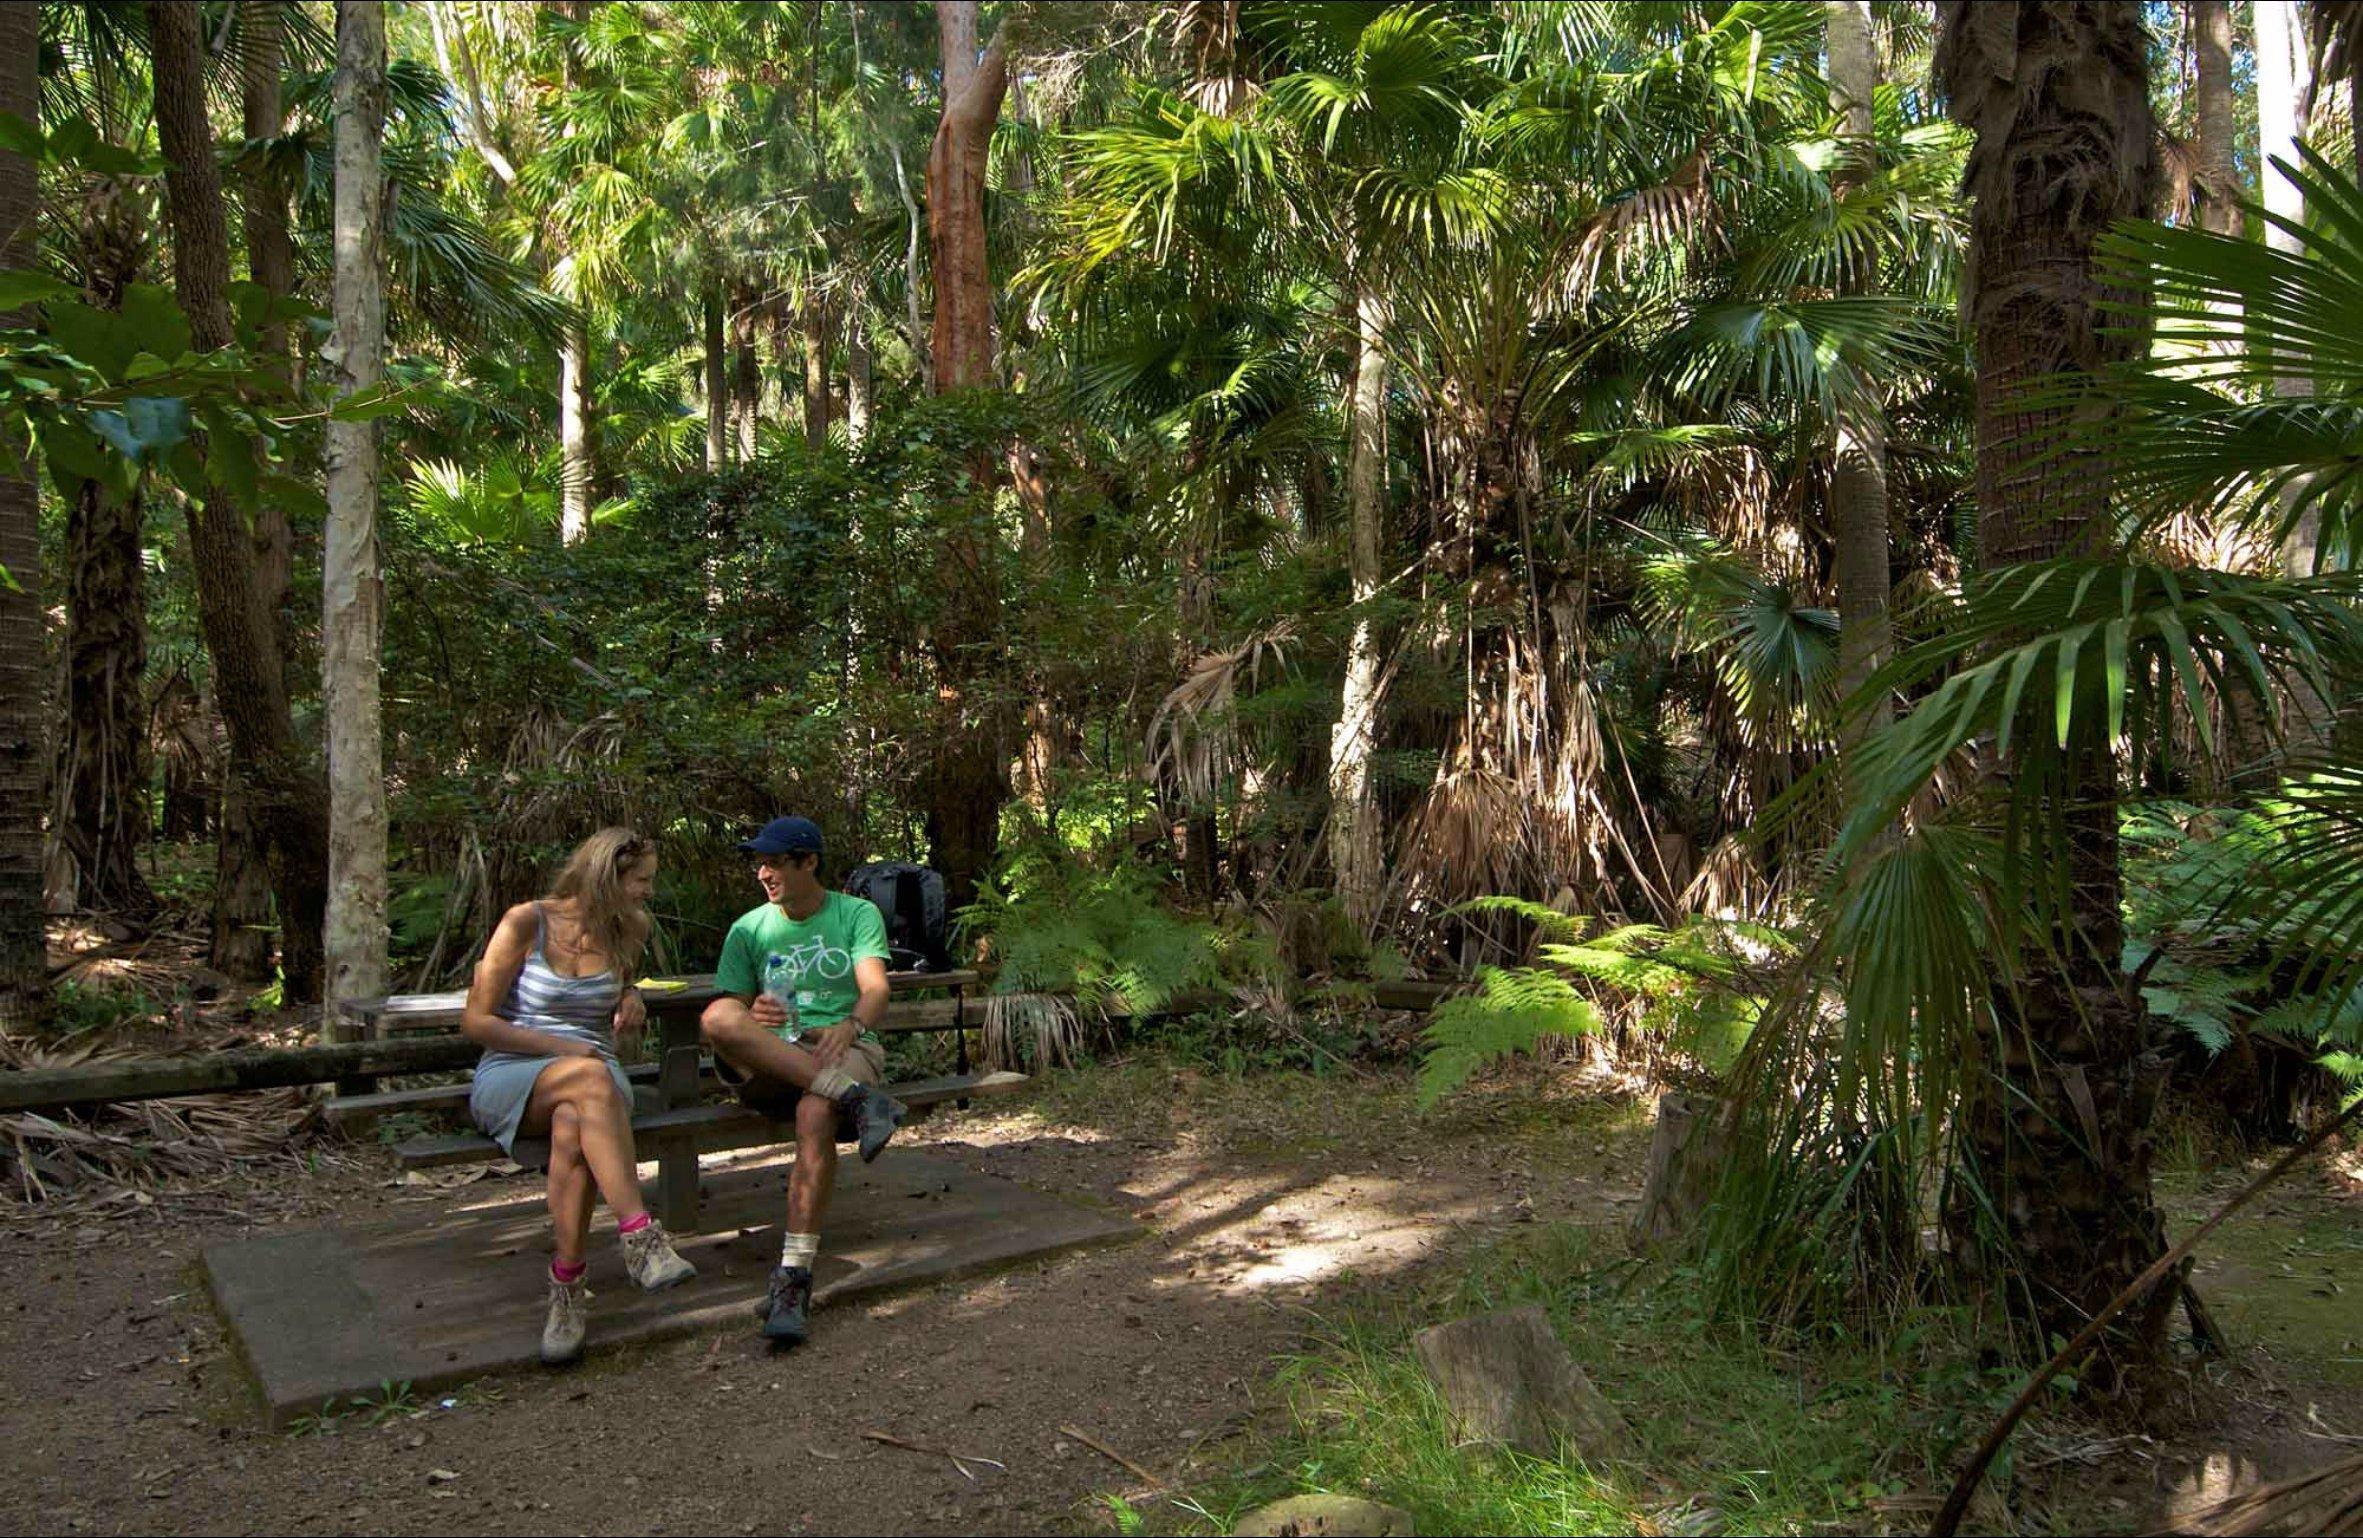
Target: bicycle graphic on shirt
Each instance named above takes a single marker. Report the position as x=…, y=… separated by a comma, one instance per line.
x=814, y=958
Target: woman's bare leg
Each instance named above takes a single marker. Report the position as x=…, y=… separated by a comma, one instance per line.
x=603, y=1127
x=570, y=1187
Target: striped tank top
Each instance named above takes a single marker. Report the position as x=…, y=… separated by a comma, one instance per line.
x=546, y=999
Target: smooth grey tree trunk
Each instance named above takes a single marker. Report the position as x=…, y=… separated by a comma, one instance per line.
x=1354, y=833
x=1858, y=481
x=352, y=591
x=717, y=375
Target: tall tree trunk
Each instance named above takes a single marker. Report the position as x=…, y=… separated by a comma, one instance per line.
x=103, y=749
x=1858, y=478
x=2217, y=130
x=242, y=634
x=574, y=429
x=101, y=813
x=352, y=593
x=717, y=376
x=24, y=971
x=1354, y=834
x=746, y=377
x=816, y=369
x=859, y=374
x=2281, y=61
x=911, y=318
x=2063, y=1086
x=970, y=780
x=242, y=873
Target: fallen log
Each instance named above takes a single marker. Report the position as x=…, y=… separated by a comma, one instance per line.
x=154, y=1078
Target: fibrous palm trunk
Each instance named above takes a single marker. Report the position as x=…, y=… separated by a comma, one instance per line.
x=970, y=780
x=101, y=816
x=242, y=633
x=1354, y=832
x=2218, y=180
x=2057, y=1118
x=1858, y=479
x=816, y=369
x=23, y=957
x=352, y=593
x=242, y=855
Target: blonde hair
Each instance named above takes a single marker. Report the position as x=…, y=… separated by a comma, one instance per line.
x=593, y=881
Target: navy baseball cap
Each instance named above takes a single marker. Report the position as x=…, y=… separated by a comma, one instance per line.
x=784, y=835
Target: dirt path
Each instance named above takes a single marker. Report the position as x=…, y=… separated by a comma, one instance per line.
x=125, y=1411
x=1265, y=1202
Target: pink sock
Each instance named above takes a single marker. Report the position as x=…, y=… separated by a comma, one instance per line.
x=560, y=1271
x=633, y=1225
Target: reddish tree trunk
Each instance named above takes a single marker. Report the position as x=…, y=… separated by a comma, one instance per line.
x=970, y=780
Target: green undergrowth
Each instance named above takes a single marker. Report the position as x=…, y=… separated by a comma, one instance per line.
x=1729, y=1434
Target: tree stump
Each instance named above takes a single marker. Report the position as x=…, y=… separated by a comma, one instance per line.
x=1690, y=1146
x=1509, y=1381
x=1325, y=1516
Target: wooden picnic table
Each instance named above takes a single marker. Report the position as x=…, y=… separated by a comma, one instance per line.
x=672, y=1119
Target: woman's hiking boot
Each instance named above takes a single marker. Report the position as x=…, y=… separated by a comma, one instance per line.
x=569, y=1317
x=651, y=1259
x=787, y=1312
x=875, y=1115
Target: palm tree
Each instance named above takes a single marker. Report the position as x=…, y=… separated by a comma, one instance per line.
x=2062, y=1084
x=24, y=970
x=241, y=633
x=103, y=231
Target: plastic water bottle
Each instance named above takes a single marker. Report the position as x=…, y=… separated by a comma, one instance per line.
x=779, y=984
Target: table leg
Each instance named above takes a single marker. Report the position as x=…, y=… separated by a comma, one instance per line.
x=676, y=1185
x=960, y=1035
x=676, y=1157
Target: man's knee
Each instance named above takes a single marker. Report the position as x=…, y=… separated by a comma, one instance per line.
x=724, y=1021
x=816, y=1119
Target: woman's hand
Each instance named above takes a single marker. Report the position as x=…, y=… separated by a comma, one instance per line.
x=631, y=1013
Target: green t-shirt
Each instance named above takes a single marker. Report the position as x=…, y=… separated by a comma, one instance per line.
x=816, y=954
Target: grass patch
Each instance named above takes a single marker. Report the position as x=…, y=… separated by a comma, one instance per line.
x=1730, y=1434
x=1157, y=1094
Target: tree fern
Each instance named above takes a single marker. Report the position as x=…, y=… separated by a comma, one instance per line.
x=1513, y=1010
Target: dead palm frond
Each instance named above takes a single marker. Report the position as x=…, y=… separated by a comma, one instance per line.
x=2329, y=1500
x=1049, y=1024
x=1194, y=736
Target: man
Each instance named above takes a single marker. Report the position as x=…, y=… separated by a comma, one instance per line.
x=803, y=982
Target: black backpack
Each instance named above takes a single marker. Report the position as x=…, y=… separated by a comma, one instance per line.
x=912, y=899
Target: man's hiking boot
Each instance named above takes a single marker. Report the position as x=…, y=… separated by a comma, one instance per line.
x=569, y=1317
x=787, y=1312
x=875, y=1115
x=654, y=1263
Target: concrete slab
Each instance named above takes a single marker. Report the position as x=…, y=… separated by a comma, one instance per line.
x=447, y=1294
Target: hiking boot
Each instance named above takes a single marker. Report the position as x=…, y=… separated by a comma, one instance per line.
x=787, y=1312
x=654, y=1263
x=569, y=1317
x=875, y=1115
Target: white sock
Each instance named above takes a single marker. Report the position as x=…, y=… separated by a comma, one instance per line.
x=800, y=1250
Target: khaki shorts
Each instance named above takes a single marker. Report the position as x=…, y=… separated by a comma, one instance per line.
x=865, y=1061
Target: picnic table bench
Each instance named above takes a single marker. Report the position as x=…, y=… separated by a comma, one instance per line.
x=669, y=1117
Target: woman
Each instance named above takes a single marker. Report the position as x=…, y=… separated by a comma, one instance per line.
x=547, y=1000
